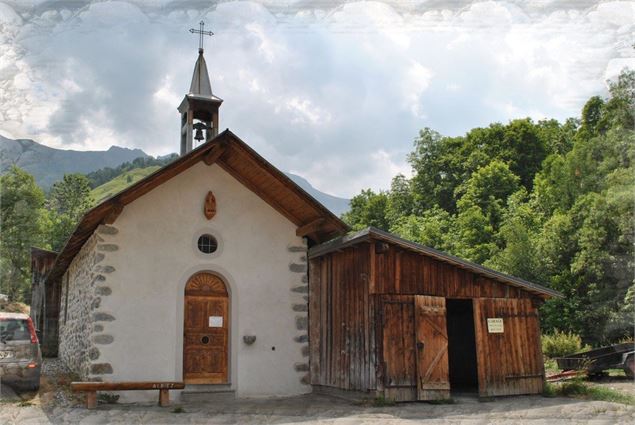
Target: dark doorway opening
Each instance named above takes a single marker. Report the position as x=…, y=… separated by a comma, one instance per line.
x=461, y=346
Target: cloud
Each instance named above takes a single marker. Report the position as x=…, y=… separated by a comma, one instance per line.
x=332, y=91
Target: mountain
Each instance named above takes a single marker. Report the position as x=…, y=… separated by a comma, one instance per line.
x=338, y=206
x=49, y=165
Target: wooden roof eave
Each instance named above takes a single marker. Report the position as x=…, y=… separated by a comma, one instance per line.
x=112, y=206
x=321, y=210
x=373, y=234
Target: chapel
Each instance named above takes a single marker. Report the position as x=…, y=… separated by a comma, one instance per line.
x=220, y=272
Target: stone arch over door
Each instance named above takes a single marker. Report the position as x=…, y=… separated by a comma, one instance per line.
x=205, y=330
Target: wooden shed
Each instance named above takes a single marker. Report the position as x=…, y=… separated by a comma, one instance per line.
x=396, y=319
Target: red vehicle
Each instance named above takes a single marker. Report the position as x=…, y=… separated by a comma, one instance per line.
x=20, y=355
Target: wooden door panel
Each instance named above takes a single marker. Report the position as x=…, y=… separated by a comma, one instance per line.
x=509, y=359
x=195, y=310
x=399, y=343
x=433, y=373
x=205, y=340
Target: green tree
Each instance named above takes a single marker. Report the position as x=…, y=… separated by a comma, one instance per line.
x=474, y=235
x=433, y=228
x=68, y=201
x=22, y=225
x=400, y=199
x=368, y=209
x=517, y=237
x=591, y=116
x=438, y=169
x=619, y=109
x=488, y=189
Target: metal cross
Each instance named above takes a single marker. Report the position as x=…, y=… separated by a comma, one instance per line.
x=201, y=34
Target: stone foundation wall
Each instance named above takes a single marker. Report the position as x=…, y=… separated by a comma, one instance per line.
x=300, y=307
x=82, y=324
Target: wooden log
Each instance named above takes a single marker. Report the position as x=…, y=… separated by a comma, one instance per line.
x=91, y=399
x=126, y=386
x=164, y=397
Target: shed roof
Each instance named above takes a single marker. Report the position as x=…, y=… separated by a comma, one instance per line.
x=372, y=233
x=312, y=218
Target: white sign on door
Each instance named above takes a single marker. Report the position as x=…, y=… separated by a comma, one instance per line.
x=215, y=321
x=495, y=325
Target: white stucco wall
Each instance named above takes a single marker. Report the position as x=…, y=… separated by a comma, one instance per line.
x=157, y=254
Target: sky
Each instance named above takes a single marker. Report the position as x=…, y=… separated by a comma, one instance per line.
x=334, y=91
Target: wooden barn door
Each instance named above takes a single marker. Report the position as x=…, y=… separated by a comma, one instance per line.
x=508, y=347
x=399, y=365
x=433, y=373
x=415, y=348
x=205, y=330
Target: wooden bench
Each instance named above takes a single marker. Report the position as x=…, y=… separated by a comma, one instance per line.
x=91, y=388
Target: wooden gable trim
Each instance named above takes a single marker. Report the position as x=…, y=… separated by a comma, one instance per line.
x=320, y=210
x=264, y=196
x=212, y=152
x=311, y=227
x=116, y=210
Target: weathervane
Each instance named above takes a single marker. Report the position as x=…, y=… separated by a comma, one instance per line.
x=201, y=33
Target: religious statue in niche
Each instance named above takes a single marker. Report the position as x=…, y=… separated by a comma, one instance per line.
x=210, y=205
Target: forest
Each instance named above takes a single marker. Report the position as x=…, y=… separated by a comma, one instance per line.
x=551, y=202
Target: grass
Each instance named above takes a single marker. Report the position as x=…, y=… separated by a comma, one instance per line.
x=178, y=409
x=551, y=367
x=121, y=182
x=107, y=398
x=578, y=389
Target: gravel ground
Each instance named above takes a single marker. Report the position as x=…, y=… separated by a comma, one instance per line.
x=55, y=405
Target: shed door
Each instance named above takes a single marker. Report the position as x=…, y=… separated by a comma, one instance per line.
x=205, y=342
x=399, y=347
x=433, y=373
x=508, y=347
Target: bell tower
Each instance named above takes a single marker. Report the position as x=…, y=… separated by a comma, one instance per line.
x=199, y=108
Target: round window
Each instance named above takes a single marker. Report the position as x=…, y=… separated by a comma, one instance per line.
x=207, y=244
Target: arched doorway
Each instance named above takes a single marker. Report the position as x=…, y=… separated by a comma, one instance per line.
x=205, y=330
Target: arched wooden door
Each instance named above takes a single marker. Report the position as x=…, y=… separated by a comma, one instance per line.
x=205, y=330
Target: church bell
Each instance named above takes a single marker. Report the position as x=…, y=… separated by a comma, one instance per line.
x=198, y=135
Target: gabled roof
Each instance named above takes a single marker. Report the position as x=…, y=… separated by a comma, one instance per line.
x=312, y=218
x=372, y=233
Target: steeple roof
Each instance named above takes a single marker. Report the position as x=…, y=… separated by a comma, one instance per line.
x=201, y=85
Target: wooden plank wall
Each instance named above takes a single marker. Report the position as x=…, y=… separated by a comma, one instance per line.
x=509, y=363
x=404, y=272
x=342, y=321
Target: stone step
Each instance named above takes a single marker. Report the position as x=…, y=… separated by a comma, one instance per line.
x=207, y=393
